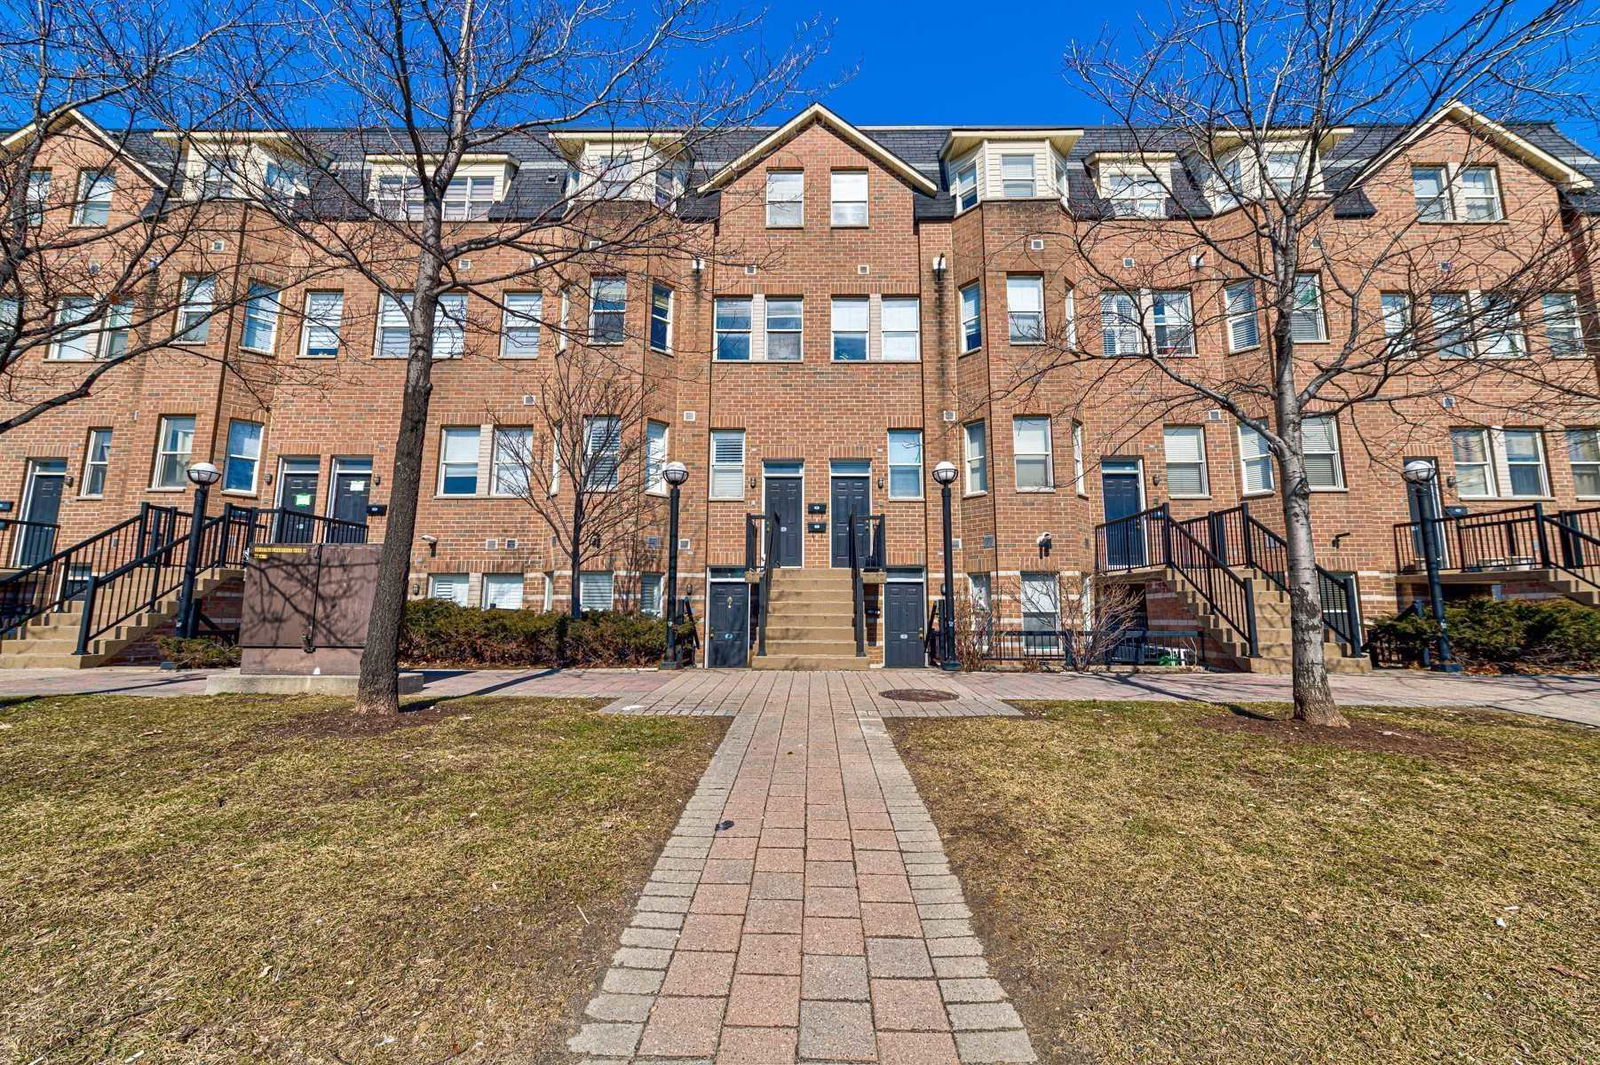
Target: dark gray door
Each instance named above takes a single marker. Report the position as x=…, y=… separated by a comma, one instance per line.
x=1124, y=542
x=298, y=502
x=851, y=495
x=903, y=618
x=728, y=625
x=350, y=491
x=46, y=481
x=783, y=498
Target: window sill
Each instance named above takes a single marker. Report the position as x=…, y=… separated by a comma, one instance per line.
x=1463, y=221
x=771, y=225
x=1176, y=496
x=1261, y=495
x=189, y=343
x=849, y=225
x=317, y=358
x=92, y=499
x=760, y=362
x=157, y=488
x=658, y=351
x=1036, y=491
x=973, y=351
x=258, y=351
x=1340, y=489
x=240, y=493
x=974, y=495
x=1026, y=343
x=908, y=499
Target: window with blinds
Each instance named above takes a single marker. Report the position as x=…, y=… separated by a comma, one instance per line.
x=1583, y=451
x=733, y=329
x=971, y=317
x=320, y=331
x=1031, y=452
x=785, y=328
x=902, y=329
x=1319, y=446
x=851, y=322
x=596, y=591
x=1306, y=322
x=450, y=326
x=1186, y=461
x=1121, y=331
x=727, y=464
x=502, y=591
x=977, y=456
x=1562, y=329
x=1173, y=319
x=458, y=461
x=1397, y=330
x=519, y=325
x=1041, y=602
x=260, y=317
x=1255, y=457
x=602, y=451
x=451, y=587
x=513, y=459
x=650, y=594
x=655, y=458
x=1475, y=477
x=1239, y=304
x=1025, y=308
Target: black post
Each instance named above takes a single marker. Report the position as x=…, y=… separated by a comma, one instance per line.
x=1444, y=661
x=191, y=563
x=670, y=660
x=947, y=623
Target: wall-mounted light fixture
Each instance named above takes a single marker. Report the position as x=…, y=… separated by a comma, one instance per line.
x=433, y=544
x=940, y=265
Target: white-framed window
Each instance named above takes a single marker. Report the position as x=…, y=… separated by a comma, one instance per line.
x=980, y=590
x=1501, y=326
x=243, y=463
x=1041, y=602
x=660, y=317
x=1025, y=308
x=1492, y=462
x=596, y=591
x=786, y=199
x=319, y=332
x=174, y=445
x=451, y=587
x=502, y=591
x=399, y=196
x=1172, y=314
x=602, y=451
x=10, y=316
x=1186, y=461
x=1583, y=452
x=1017, y=179
x=1474, y=462
x=261, y=309
x=733, y=328
x=1319, y=445
x=94, y=197
x=849, y=197
x=1030, y=436
x=1450, y=324
x=1255, y=459
x=1563, y=330
x=785, y=328
x=1431, y=187
x=902, y=329
x=655, y=456
x=458, y=460
x=1239, y=306
x=1397, y=330
x=977, y=458
x=450, y=326
x=971, y=317
x=1079, y=485
x=905, y=463
x=964, y=184
x=1450, y=194
x=221, y=179
x=851, y=321
x=78, y=338
x=1524, y=452
x=1307, y=325
x=196, y=305
x=96, y=463
x=1121, y=331
x=37, y=198
x=519, y=324
x=1480, y=194
x=1284, y=171
x=608, y=310
x=1069, y=318
x=394, y=328
x=511, y=460
x=727, y=464
x=650, y=590
x=1135, y=193
x=468, y=198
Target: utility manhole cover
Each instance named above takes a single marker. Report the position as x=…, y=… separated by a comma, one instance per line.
x=917, y=695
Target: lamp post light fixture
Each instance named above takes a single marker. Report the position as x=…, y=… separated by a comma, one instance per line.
x=945, y=473
x=202, y=475
x=1419, y=476
x=675, y=474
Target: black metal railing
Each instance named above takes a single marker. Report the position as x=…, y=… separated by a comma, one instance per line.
x=1134, y=542
x=1516, y=538
x=762, y=530
x=1575, y=543
x=858, y=591
x=1230, y=597
x=280, y=526
x=26, y=543
x=1133, y=647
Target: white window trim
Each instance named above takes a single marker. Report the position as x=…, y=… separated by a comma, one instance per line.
x=977, y=315
x=834, y=332
x=1321, y=309
x=510, y=319
x=1036, y=283
x=1079, y=482
x=657, y=486
x=1579, y=347
x=184, y=335
x=801, y=201
x=1498, y=464
x=1338, y=454
x=1049, y=454
x=161, y=452
x=967, y=457
x=254, y=460
x=971, y=163
x=1244, y=460
x=1455, y=197
x=672, y=306
x=495, y=462
x=594, y=293
x=1204, y=463
x=714, y=465
x=767, y=332
x=890, y=465
x=834, y=201
x=749, y=332
x=274, y=300
x=89, y=463
x=1573, y=463
x=1232, y=315
x=307, y=324
x=1033, y=171
x=477, y=468
x=884, y=331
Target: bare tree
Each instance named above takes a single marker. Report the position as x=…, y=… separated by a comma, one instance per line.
x=1107, y=611
x=1239, y=120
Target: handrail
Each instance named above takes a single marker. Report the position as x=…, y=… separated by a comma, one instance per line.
x=858, y=594
x=26, y=537
x=1125, y=543
x=1577, y=551
x=769, y=563
x=1232, y=597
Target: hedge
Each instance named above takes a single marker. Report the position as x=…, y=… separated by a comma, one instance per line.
x=1505, y=634
x=440, y=633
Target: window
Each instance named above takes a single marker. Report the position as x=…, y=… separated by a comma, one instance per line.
x=902, y=329
x=727, y=464
x=1319, y=445
x=655, y=456
x=905, y=463
x=733, y=329
x=1475, y=477
x=284, y=181
x=1480, y=194
x=1239, y=304
x=1450, y=324
x=1041, y=602
x=1256, y=458
x=37, y=198
x=614, y=175
x=1306, y=324
x=174, y=443
x=1525, y=462
x=602, y=451
x=1432, y=191
x=468, y=198
x=1077, y=459
x=400, y=196
x=97, y=461
x=1136, y=194
x=971, y=318
x=220, y=178
x=198, y=303
x=10, y=315
x=1474, y=196
x=1396, y=307
x=260, y=317
x=77, y=338
x=1502, y=327
x=785, y=324
x=608, y=308
x=1031, y=451
x=458, y=462
x=94, y=198
x=450, y=326
x=244, y=457
x=965, y=185
x=786, y=199
x=519, y=325
x=451, y=587
x=1562, y=330
x=1174, y=323
x=850, y=320
x=1016, y=176
x=596, y=591
x=394, y=327
x=1025, y=308
x=849, y=197
x=1186, y=461
x=977, y=457
x=650, y=594
x=319, y=334
x=1284, y=172
x=660, y=317
x=1583, y=451
x=510, y=461
x=502, y=591
x=1120, y=328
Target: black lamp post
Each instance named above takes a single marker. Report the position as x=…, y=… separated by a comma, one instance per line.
x=675, y=474
x=946, y=473
x=1419, y=475
x=202, y=475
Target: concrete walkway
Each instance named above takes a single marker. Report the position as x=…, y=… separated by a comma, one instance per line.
x=803, y=909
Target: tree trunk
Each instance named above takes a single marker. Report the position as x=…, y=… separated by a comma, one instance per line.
x=575, y=553
x=1313, y=698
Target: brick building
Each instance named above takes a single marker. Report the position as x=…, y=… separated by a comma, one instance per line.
x=850, y=306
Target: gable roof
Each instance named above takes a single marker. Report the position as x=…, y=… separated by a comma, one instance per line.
x=1564, y=175
x=77, y=117
x=816, y=113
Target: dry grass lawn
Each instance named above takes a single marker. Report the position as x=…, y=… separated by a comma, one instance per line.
x=270, y=880
x=1164, y=883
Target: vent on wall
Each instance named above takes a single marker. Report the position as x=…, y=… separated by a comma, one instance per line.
x=988, y=541
x=1128, y=263
x=511, y=544
x=1036, y=244
x=1214, y=415
x=491, y=545
x=689, y=415
x=529, y=400
x=955, y=543
x=653, y=543
x=219, y=245
x=750, y=271
x=949, y=415
x=684, y=544
x=863, y=269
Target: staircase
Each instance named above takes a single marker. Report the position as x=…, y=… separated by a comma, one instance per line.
x=1273, y=638
x=810, y=623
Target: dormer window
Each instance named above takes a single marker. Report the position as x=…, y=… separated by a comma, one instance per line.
x=221, y=179
x=1135, y=193
x=965, y=185
x=468, y=198
x=1285, y=171
x=1017, y=181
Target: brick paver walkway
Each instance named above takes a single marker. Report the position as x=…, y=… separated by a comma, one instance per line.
x=803, y=909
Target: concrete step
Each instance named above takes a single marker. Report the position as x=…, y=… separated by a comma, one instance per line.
x=772, y=661
x=790, y=629
x=51, y=661
x=845, y=646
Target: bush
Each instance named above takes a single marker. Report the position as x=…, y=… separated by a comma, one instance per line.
x=440, y=633
x=199, y=652
x=1505, y=634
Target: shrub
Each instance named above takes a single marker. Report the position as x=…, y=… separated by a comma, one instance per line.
x=199, y=652
x=1553, y=634
x=440, y=633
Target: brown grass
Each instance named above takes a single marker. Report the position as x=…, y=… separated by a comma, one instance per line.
x=267, y=880
x=1156, y=889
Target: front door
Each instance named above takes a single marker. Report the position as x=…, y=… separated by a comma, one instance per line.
x=352, y=484
x=1124, y=497
x=297, y=499
x=784, y=500
x=851, y=495
x=41, y=506
x=903, y=617
x=728, y=625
